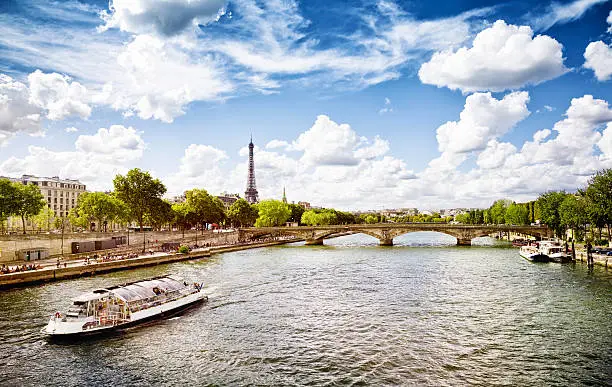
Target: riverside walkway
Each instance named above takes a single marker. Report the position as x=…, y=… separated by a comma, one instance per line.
x=50, y=271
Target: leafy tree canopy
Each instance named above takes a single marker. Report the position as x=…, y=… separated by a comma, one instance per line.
x=272, y=213
x=242, y=213
x=140, y=192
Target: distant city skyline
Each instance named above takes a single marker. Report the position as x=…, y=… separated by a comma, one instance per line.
x=376, y=105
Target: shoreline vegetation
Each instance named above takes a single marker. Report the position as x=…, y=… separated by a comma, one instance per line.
x=583, y=217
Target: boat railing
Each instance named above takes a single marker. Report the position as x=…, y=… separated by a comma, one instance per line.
x=162, y=298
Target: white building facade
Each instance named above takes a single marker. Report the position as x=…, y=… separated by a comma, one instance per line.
x=61, y=194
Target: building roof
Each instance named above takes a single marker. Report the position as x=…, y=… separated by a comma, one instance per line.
x=54, y=179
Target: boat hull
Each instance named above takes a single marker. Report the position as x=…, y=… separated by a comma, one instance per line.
x=159, y=314
x=535, y=257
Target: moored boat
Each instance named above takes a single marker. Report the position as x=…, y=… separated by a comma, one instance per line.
x=125, y=305
x=554, y=251
x=532, y=253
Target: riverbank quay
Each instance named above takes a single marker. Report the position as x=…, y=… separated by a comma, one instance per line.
x=58, y=245
x=85, y=269
x=598, y=259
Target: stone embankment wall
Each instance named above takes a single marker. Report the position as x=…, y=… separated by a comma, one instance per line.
x=54, y=274
x=10, y=244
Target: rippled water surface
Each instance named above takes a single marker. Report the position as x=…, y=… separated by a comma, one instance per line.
x=418, y=313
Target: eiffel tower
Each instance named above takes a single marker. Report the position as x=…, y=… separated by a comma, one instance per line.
x=251, y=194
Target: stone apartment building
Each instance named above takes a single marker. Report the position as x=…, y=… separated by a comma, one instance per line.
x=61, y=194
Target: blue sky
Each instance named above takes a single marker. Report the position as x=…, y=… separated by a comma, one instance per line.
x=352, y=104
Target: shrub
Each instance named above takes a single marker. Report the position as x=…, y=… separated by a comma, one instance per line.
x=183, y=249
x=600, y=242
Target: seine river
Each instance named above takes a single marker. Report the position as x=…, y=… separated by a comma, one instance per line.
x=350, y=313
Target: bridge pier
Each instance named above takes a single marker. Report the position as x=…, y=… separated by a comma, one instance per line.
x=464, y=242
x=314, y=242
x=385, y=242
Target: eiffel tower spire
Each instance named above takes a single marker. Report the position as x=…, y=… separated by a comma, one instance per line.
x=284, y=196
x=251, y=194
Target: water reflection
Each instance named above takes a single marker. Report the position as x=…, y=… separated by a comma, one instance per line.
x=349, y=312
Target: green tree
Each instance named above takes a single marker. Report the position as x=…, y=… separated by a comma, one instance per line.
x=204, y=207
x=28, y=202
x=548, y=204
x=497, y=211
x=517, y=214
x=76, y=220
x=243, y=214
x=99, y=207
x=309, y=218
x=44, y=219
x=182, y=215
x=599, y=199
x=296, y=213
x=371, y=219
x=573, y=213
x=61, y=224
x=140, y=192
x=161, y=214
x=8, y=200
x=272, y=213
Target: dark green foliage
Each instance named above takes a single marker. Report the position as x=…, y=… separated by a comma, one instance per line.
x=549, y=204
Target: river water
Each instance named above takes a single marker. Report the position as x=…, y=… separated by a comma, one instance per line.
x=423, y=312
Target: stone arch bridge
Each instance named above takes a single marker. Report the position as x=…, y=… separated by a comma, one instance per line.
x=314, y=235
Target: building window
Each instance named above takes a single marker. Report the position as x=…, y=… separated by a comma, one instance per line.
x=49, y=192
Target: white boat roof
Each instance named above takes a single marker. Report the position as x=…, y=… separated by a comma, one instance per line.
x=136, y=290
x=90, y=296
x=144, y=289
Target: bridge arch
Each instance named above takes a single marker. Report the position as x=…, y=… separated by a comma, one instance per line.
x=386, y=232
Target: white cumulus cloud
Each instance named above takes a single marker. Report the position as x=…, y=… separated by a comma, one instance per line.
x=605, y=143
x=23, y=107
x=598, y=57
x=162, y=17
x=16, y=112
x=483, y=118
x=95, y=161
x=277, y=144
x=502, y=57
x=160, y=78
x=58, y=95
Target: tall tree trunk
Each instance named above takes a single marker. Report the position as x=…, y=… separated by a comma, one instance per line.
x=63, y=227
x=23, y=223
x=599, y=232
x=144, y=241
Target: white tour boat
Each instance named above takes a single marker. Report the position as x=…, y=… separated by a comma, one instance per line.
x=125, y=305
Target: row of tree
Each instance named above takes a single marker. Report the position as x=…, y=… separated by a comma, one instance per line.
x=589, y=209
x=137, y=197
